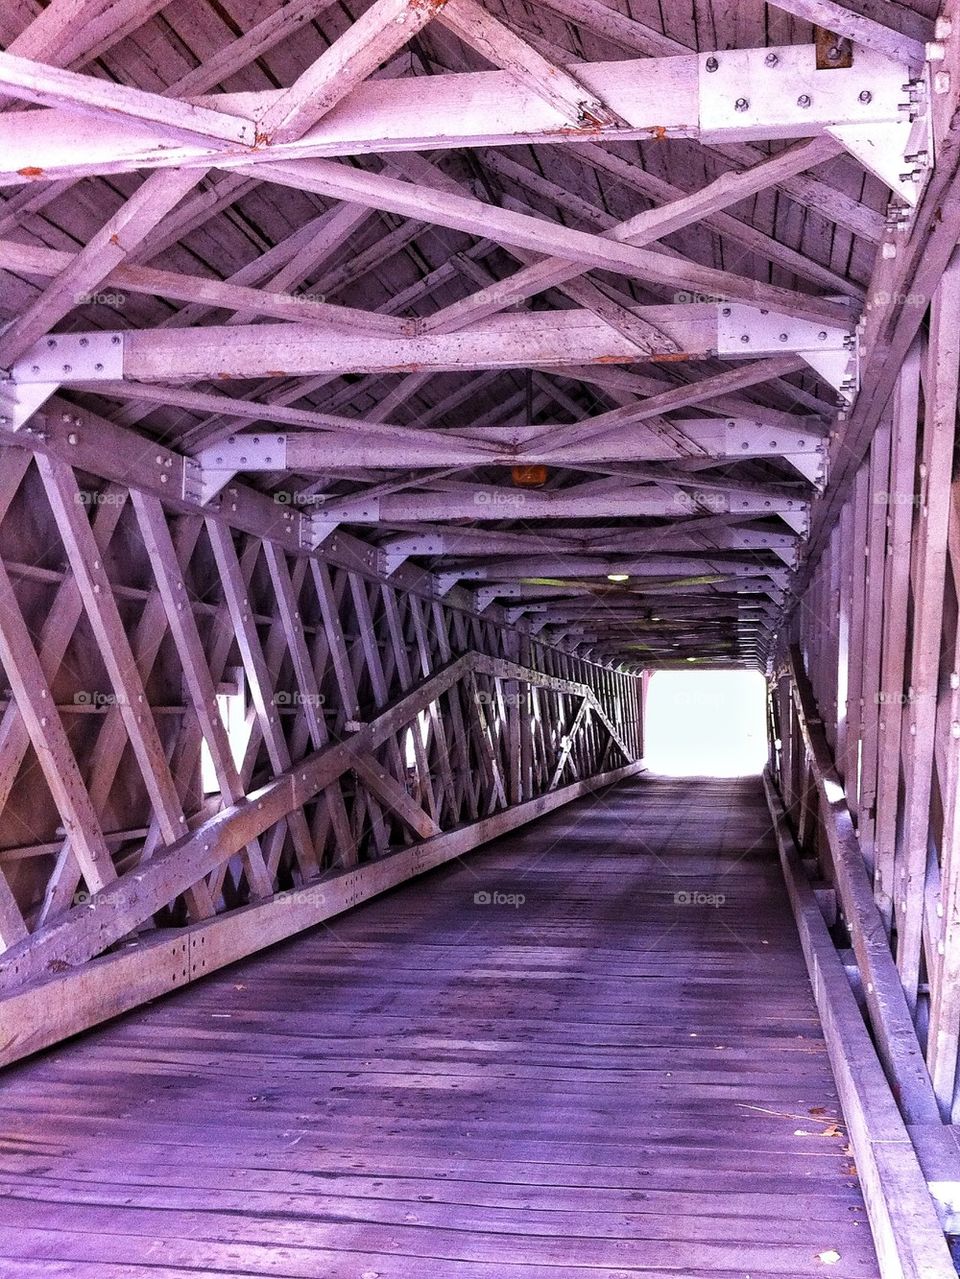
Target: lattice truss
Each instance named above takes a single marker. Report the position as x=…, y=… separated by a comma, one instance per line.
x=376, y=717
x=376, y=256
x=385, y=385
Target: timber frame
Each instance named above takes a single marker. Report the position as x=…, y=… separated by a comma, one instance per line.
x=387, y=387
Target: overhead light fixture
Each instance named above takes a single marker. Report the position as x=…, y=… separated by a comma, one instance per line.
x=618, y=577
x=529, y=477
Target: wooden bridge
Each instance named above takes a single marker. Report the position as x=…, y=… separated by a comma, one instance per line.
x=389, y=391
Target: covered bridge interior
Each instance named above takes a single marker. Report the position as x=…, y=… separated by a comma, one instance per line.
x=389, y=392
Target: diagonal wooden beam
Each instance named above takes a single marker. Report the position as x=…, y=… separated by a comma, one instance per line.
x=63, y=493
x=392, y=795
x=258, y=676
x=199, y=292
x=500, y=44
x=102, y=254
x=707, y=388
x=862, y=30
x=643, y=229
x=476, y=217
x=377, y=34
x=69, y=31
x=35, y=702
x=168, y=572
x=169, y=119
x=311, y=699
x=107, y=754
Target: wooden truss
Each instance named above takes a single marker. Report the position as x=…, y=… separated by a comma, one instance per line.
x=663, y=388
x=379, y=720
x=384, y=386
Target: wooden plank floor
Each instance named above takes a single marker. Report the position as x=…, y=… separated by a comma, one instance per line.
x=600, y=1078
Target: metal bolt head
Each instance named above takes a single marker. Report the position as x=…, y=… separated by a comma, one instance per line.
x=804, y=100
x=771, y=59
x=741, y=104
x=865, y=96
x=712, y=64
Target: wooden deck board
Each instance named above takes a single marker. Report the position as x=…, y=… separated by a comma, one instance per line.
x=599, y=1081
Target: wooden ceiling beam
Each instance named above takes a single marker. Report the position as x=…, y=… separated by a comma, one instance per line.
x=501, y=45
x=75, y=31
x=200, y=293
x=380, y=31
x=641, y=230
x=535, y=339
x=172, y=120
x=101, y=255
x=857, y=27
x=657, y=97
x=479, y=218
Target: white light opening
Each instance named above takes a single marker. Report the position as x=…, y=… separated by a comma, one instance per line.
x=706, y=723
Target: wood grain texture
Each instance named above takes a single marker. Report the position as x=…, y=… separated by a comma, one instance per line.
x=431, y=1085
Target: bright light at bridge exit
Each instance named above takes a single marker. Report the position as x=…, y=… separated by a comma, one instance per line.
x=706, y=723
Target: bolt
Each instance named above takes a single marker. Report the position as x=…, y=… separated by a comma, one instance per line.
x=742, y=104
x=833, y=53
x=771, y=60
x=51, y=343
x=783, y=337
x=744, y=337
x=712, y=64
x=804, y=100
x=84, y=342
x=865, y=96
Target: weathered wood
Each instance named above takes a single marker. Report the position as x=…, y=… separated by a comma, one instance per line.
x=889, y=1014
x=62, y=1006
x=906, y=1229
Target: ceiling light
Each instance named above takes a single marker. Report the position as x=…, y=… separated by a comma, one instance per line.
x=618, y=577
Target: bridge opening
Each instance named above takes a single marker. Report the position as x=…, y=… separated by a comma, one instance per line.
x=706, y=723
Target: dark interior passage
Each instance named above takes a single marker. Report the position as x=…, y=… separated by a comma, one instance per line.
x=589, y=1049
